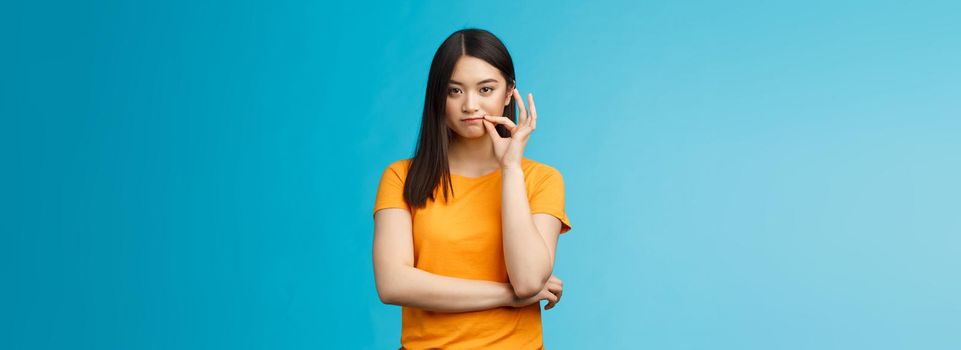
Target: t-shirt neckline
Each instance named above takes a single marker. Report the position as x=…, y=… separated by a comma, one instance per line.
x=496, y=171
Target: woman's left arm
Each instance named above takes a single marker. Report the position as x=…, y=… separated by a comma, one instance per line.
x=529, y=239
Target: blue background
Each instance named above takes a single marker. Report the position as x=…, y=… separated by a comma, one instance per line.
x=740, y=175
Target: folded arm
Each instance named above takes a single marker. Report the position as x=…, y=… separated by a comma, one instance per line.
x=530, y=240
x=400, y=283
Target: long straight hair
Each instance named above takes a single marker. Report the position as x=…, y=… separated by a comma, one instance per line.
x=429, y=166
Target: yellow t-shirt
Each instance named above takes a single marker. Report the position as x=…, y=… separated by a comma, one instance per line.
x=462, y=238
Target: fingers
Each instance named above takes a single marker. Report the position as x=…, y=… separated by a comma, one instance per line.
x=522, y=118
x=533, y=118
x=501, y=120
x=491, y=131
x=555, y=288
x=554, y=283
x=551, y=300
x=551, y=297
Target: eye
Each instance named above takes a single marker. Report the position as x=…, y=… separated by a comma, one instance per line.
x=453, y=90
x=487, y=89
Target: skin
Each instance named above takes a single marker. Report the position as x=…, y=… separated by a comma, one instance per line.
x=478, y=91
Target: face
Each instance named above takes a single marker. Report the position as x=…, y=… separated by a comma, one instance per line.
x=476, y=88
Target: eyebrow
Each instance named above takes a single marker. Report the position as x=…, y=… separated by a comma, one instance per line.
x=452, y=81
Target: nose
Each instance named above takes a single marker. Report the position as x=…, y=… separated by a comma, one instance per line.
x=470, y=105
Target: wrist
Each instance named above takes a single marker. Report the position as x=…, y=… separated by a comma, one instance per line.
x=508, y=298
x=511, y=166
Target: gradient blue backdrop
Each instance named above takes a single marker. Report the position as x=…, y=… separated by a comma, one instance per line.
x=740, y=175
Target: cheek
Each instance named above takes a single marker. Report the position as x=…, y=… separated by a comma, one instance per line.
x=493, y=105
x=452, y=109
x=452, y=113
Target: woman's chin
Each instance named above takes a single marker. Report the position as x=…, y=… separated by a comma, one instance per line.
x=472, y=133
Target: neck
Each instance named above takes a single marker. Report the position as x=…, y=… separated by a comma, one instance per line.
x=471, y=154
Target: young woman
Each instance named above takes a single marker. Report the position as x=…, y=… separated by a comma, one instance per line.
x=465, y=231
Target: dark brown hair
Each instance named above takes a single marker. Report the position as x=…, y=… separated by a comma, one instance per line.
x=429, y=166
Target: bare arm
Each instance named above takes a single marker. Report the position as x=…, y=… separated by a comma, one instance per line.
x=529, y=240
x=400, y=283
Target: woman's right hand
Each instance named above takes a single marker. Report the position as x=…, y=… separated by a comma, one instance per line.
x=552, y=293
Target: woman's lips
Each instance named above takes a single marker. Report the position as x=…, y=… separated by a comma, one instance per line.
x=473, y=120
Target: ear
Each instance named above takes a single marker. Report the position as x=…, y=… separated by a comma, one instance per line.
x=510, y=94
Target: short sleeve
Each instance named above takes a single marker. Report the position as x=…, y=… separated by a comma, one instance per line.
x=390, y=192
x=547, y=197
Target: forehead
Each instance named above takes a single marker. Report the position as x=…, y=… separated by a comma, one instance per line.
x=470, y=70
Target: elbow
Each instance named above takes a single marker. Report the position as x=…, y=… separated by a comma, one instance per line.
x=527, y=289
x=391, y=288
x=386, y=296
x=530, y=286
